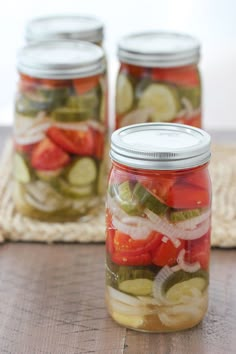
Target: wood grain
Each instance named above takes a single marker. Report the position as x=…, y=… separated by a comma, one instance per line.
x=52, y=302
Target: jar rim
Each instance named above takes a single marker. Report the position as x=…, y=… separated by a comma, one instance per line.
x=160, y=146
x=61, y=59
x=159, y=49
x=56, y=27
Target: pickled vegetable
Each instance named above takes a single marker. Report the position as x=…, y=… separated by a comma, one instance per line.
x=163, y=100
x=125, y=94
x=157, y=249
x=59, y=165
x=158, y=95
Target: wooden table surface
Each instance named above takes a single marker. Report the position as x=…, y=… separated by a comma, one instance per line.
x=52, y=302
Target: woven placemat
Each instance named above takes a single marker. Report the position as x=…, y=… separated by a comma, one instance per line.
x=16, y=227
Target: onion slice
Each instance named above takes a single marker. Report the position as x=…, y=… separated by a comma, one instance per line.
x=158, y=285
x=122, y=297
x=187, y=267
x=137, y=232
x=162, y=225
x=26, y=140
x=71, y=126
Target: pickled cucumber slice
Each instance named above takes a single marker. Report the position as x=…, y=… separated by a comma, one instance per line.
x=127, y=320
x=185, y=288
x=87, y=102
x=137, y=287
x=20, y=169
x=147, y=200
x=67, y=114
x=164, y=101
x=71, y=191
x=32, y=102
x=101, y=184
x=83, y=172
x=181, y=276
x=126, y=200
x=57, y=97
x=181, y=215
x=48, y=176
x=124, y=94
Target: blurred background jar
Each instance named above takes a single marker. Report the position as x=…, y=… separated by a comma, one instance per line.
x=158, y=79
x=61, y=27
x=60, y=130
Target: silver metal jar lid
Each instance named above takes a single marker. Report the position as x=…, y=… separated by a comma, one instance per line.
x=160, y=146
x=159, y=49
x=61, y=59
x=64, y=27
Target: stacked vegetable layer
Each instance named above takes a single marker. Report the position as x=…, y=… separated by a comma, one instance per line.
x=158, y=242
x=158, y=95
x=60, y=132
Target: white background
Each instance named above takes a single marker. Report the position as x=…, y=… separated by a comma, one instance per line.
x=212, y=21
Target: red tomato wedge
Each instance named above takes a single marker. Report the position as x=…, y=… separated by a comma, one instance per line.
x=185, y=76
x=194, y=121
x=158, y=186
x=134, y=70
x=199, y=251
x=86, y=84
x=132, y=260
x=48, y=156
x=199, y=178
x=56, y=83
x=127, y=246
x=76, y=142
x=99, y=142
x=166, y=254
x=187, y=196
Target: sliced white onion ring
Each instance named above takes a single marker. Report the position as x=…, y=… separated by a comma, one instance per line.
x=26, y=140
x=162, y=225
x=71, y=126
x=137, y=232
x=186, y=266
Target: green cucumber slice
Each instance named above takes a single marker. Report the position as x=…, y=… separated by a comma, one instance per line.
x=71, y=191
x=30, y=103
x=48, y=176
x=20, y=169
x=67, y=114
x=84, y=102
x=83, y=172
x=147, y=200
x=124, y=94
x=102, y=182
x=182, y=276
x=164, y=101
x=142, y=287
x=117, y=274
x=177, y=291
x=126, y=200
x=181, y=215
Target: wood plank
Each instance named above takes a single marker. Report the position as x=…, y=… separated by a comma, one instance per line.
x=52, y=301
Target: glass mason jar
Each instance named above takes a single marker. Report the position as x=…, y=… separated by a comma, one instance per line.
x=158, y=79
x=60, y=130
x=158, y=221
x=62, y=27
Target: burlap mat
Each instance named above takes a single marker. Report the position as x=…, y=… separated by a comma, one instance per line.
x=15, y=227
